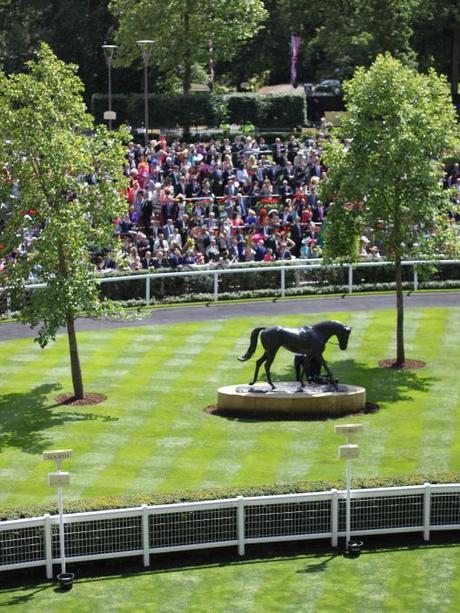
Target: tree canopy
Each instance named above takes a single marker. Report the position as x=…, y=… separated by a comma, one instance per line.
x=385, y=163
x=61, y=190
x=181, y=30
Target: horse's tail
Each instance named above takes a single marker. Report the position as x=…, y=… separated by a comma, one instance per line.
x=252, y=346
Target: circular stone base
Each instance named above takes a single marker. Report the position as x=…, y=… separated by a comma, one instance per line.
x=314, y=399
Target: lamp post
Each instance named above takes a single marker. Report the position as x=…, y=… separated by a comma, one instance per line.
x=211, y=66
x=59, y=479
x=349, y=452
x=146, y=50
x=109, y=50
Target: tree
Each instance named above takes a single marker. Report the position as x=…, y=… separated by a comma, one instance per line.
x=61, y=189
x=437, y=38
x=356, y=31
x=182, y=29
x=387, y=178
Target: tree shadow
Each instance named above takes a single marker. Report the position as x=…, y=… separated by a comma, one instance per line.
x=24, y=598
x=25, y=418
x=320, y=566
x=383, y=385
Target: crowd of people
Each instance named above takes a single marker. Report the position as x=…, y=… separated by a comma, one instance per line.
x=227, y=201
x=221, y=202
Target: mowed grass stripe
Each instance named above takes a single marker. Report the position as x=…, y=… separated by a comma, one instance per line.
x=42, y=369
x=443, y=404
x=127, y=442
x=210, y=433
x=413, y=579
x=181, y=431
x=303, y=584
x=411, y=409
x=399, y=387
x=142, y=426
x=65, y=426
x=325, y=458
x=122, y=349
x=306, y=437
x=178, y=419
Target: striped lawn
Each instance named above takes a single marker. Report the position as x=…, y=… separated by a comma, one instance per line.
x=413, y=579
x=153, y=434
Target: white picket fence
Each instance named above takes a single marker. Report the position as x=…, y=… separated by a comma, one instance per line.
x=234, y=522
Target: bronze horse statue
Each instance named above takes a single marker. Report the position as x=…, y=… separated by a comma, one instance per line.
x=309, y=341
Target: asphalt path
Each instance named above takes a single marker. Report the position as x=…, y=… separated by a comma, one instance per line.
x=213, y=311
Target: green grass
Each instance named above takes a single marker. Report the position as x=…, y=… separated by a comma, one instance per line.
x=152, y=433
x=407, y=579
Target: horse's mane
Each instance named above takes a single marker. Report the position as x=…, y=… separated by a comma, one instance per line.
x=327, y=323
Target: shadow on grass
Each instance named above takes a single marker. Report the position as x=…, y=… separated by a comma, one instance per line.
x=23, y=586
x=24, y=599
x=320, y=566
x=383, y=385
x=25, y=417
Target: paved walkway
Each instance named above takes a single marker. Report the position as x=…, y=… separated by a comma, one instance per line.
x=178, y=314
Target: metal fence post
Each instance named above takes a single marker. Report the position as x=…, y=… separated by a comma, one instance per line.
x=427, y=512
x=240, y=525
x=334, y=518
x=283, y=282
x=48, y=546
x=147, y=290
x=145, y=534
x=415, y=279
x=216, y=286
x=350, y=278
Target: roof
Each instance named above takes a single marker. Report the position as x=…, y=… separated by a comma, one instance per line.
x=281, y=88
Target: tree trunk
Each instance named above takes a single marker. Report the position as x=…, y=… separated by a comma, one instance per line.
x=77, y=380
x=187, y=67
x=187, y=76
x=400, y=353
x=75, y=368
x=455, y=61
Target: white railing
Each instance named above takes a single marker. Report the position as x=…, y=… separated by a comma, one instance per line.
x=233, y=522
x=303, y=266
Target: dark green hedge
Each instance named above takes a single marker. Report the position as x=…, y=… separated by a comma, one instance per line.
x=267, y=283
x=171, y=111
x=119, y=502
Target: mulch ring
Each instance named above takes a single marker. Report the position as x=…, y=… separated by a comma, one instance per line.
x=91, y=398
x=213, y=409
x=407, y=365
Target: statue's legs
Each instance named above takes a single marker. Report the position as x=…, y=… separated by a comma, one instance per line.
x=268, y=363
x=330, y=375
x=259, y=363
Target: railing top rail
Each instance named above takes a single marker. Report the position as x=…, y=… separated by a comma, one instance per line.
x=231, y=502
x=312, y=264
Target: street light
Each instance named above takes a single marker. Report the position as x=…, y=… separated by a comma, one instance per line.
x=59, y=479
x=109, y=50
x=146, y=50
x=349, y=452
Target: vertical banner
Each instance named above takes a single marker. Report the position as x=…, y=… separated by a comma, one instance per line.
x=295, y=44
x=211, y=66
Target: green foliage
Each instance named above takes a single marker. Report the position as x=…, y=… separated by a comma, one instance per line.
x=182, y=28
x=51, y=144
x=357, y=31
x=102, y=503
x=401, y=124
x=172, y=110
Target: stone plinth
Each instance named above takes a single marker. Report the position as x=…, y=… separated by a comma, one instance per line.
x=312, y=400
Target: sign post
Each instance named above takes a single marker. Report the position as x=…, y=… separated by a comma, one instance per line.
x=59, y=479
x=349, y=452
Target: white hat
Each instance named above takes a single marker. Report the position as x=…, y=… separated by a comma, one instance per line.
x=364, y=239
